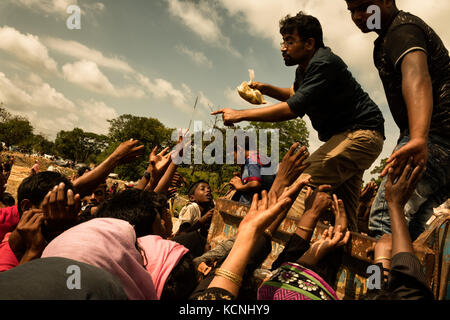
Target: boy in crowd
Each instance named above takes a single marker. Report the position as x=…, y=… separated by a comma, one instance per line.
x=251, y=179
x=196, y=216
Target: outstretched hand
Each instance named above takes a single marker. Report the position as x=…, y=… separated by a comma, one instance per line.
x=415, y=148
x=399, y=188
x=60, y=208
x=367, y=192
x=291, y=167
x=317, y=201
x=338, y=209
x=229, y=116
x=331, y=239
x=128, y=151
x=158, y=163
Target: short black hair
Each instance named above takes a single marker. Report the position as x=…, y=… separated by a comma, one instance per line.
x=194, y=186
x=36, y=187
x=307, y=27
x=138, y=207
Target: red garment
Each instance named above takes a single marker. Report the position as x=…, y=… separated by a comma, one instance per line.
x=9, y=218
x=8, y=259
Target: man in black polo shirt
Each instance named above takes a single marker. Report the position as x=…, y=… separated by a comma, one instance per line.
x=414, y=66
x=347, y=120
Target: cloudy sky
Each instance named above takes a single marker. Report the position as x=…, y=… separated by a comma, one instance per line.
x=152, y=58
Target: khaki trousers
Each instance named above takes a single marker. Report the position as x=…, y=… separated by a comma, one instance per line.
x=341, y=163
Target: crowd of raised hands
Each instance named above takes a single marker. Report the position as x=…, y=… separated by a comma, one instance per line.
x=46, y=216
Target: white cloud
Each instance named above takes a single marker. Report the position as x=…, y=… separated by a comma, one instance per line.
x=203, y=20
x=95, y=115
x=86, y=74
x=58, y=7
x=196, y=56
x=33, y=93
x=81, y=52
x=26, y=48
x=49, y=111
x=163, y=89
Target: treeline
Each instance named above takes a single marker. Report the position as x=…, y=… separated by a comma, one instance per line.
x=87, y=147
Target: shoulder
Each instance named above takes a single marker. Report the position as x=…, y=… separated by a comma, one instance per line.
x=325, y=60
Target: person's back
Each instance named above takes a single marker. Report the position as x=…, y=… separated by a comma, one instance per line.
x=346, y=106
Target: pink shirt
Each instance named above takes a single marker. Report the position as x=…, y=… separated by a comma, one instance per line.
x=9, y=218
x=8, y=259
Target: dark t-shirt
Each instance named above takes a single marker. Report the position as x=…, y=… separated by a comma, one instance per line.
x=408, y=33
x=334, y=101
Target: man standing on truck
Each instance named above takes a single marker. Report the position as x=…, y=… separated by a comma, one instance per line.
x=347, y=120
x=414, y=66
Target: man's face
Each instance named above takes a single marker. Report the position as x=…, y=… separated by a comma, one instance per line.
x=293, y=50
x=202, y=193
x=97, y=197
x=358, y=10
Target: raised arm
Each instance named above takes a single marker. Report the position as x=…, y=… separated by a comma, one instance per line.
x=398, y=192
x=127, y=151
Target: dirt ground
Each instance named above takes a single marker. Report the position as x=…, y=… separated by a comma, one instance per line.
x=22, y=169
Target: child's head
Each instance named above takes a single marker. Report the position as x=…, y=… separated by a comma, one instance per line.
x=200, y=192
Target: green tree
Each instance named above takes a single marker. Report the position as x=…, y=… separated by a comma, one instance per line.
x=78, y=145
x=42, y=145
x=290, y=131
x=377, y=170
x=149, y=131
x=16, y=131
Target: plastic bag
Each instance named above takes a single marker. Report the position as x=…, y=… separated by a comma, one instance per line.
x=253, y=96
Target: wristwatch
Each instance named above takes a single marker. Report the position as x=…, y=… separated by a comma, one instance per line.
x=147, y=175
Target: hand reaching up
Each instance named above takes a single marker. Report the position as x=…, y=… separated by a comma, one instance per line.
x=331, y=239
x=340, y=215
x=128, y=151
x=317, y=201
x=290, y=168
x=399, y=188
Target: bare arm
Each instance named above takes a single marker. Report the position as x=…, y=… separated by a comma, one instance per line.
x=397, y=195
x=281, y=94
x=127, y=151
x=418, y=94
x=275, y=113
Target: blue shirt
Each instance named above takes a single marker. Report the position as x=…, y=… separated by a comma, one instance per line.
x=334, y=101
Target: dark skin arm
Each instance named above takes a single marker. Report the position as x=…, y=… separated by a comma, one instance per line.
x=126, y=152
x=397, y=194
x=281, y=94
x=249, y=186
x=316, y=202
x=275, y=113
x=418, y=94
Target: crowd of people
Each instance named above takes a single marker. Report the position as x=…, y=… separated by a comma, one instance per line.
x=127, y=247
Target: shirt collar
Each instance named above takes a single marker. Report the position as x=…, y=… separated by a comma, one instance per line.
x=387, y=26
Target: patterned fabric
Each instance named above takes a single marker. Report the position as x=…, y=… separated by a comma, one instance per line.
x=293, y=282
